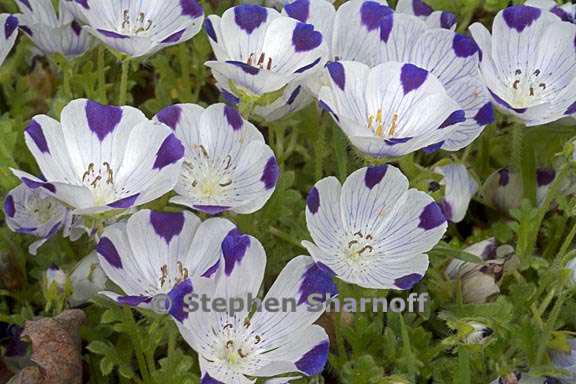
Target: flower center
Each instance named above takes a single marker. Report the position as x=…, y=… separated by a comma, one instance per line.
x=181, y=275
x=359, y=246
x=101, y=182
x=376, y=123
x=44, y=207
x=139, y=25
x=526, y=88
x=237, y=347
x=262, y=62
x=208, y=179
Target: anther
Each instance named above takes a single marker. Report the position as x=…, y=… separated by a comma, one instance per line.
x=515, y=84
x=394, y=125
x=518, y=72
x=258, y=340
x=241, y=354
x=225, y=184
x=269, y=66
x=366, y=248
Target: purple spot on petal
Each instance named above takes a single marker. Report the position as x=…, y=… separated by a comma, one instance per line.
x=316, y=280
x=10, y=26
x=27, y=30
x=271, y=173
x=26, y=229
x=209, y=28
x=133, y=301
x=325, y=107
x=408, y=281
x=305, y=38
x=170, y=116
x=485, y=115
x=249, y=17
x=464, y=46
x=420, y=8
x=167, y=224
x=112, y=34
x=27, y=4
x=519, y=17
x=177, y=297
x=412, y=77
x=545, y=176
x=313, y=362
x=313, y=200
x=212, y=270
x=571, y=109
x=9, y=207
x=337, y=73
x=397, y=140
x=170, y=152
x=371, y=14
x=102, y=119
x=233, y=117
x=107, y=249
x=245, y=67
x=83, y=3
x=76, y=28
x=446, y=209
x=211, y=209
x=434, y=147
x=53, y=230
x=294, y=95
x=35, y=184
x=447, y=20
x=374, y=175
x=234, y=249
x=207, y=379
x=455, y=117
x=124, y=203
x=229, y=98
x=34, y=130
x=299, y=10
x=308, y=66
x=431, y=217
x=386, y=27
x=191, y=8
x=503, y=177
x=562, y=14
x=174, y=38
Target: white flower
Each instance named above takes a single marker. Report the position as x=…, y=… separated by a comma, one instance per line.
x=529, y=64
x=566, y=361
x=227, y=164
x=8, y=34
x=53, y=33
x=153, y=255
x=142, y=27
x=565, y=12
x=102, y=158
x=260, y=51
x=390, y=110
x=460, y=187
x=372, y=33
x=88, y=278
x=55, y=275
x=503, y=189
x=267, y=342
x=434, y=19
x=373, y=231
x=34, y=212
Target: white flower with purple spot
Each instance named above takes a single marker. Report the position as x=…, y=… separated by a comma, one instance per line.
x=227, y=164
x=142, y=27
x=101, y=158
x=390, y=110
x=35, y=213
x=460, y=186
x=8, y=34
x=52, y=33
x=237, y=347
x=566, y=12
x=55, y=275
x=372, y=33
x=373, y=231
x=529, y=64
x=259, y=51
x=503, y=189
x=434, y=19
x=155, y=254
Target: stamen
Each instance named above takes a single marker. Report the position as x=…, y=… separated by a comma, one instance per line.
x=269, y=66
x=250, y=59
x=110, y=179
x=543, y=86
x=261, y=60
x=537, y=72
x=394, y=125
x=515, y=84
x=228, y=326
x=531, y=91
x=368, y=248
x=350, y=244
x=229, y=344
x=370, y=120
x=518, y=72
x=247, y=323
x=94, y=184
x=228, y=162
x=242, y=355
x=258, y=340
x=358, y=234
x=225, y=184
x=164, y=276
x=369, y=237
x=379, y=127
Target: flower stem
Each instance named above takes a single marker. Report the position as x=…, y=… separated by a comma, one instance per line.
x=124, y=82
x=101, y=63
x=135, y=336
